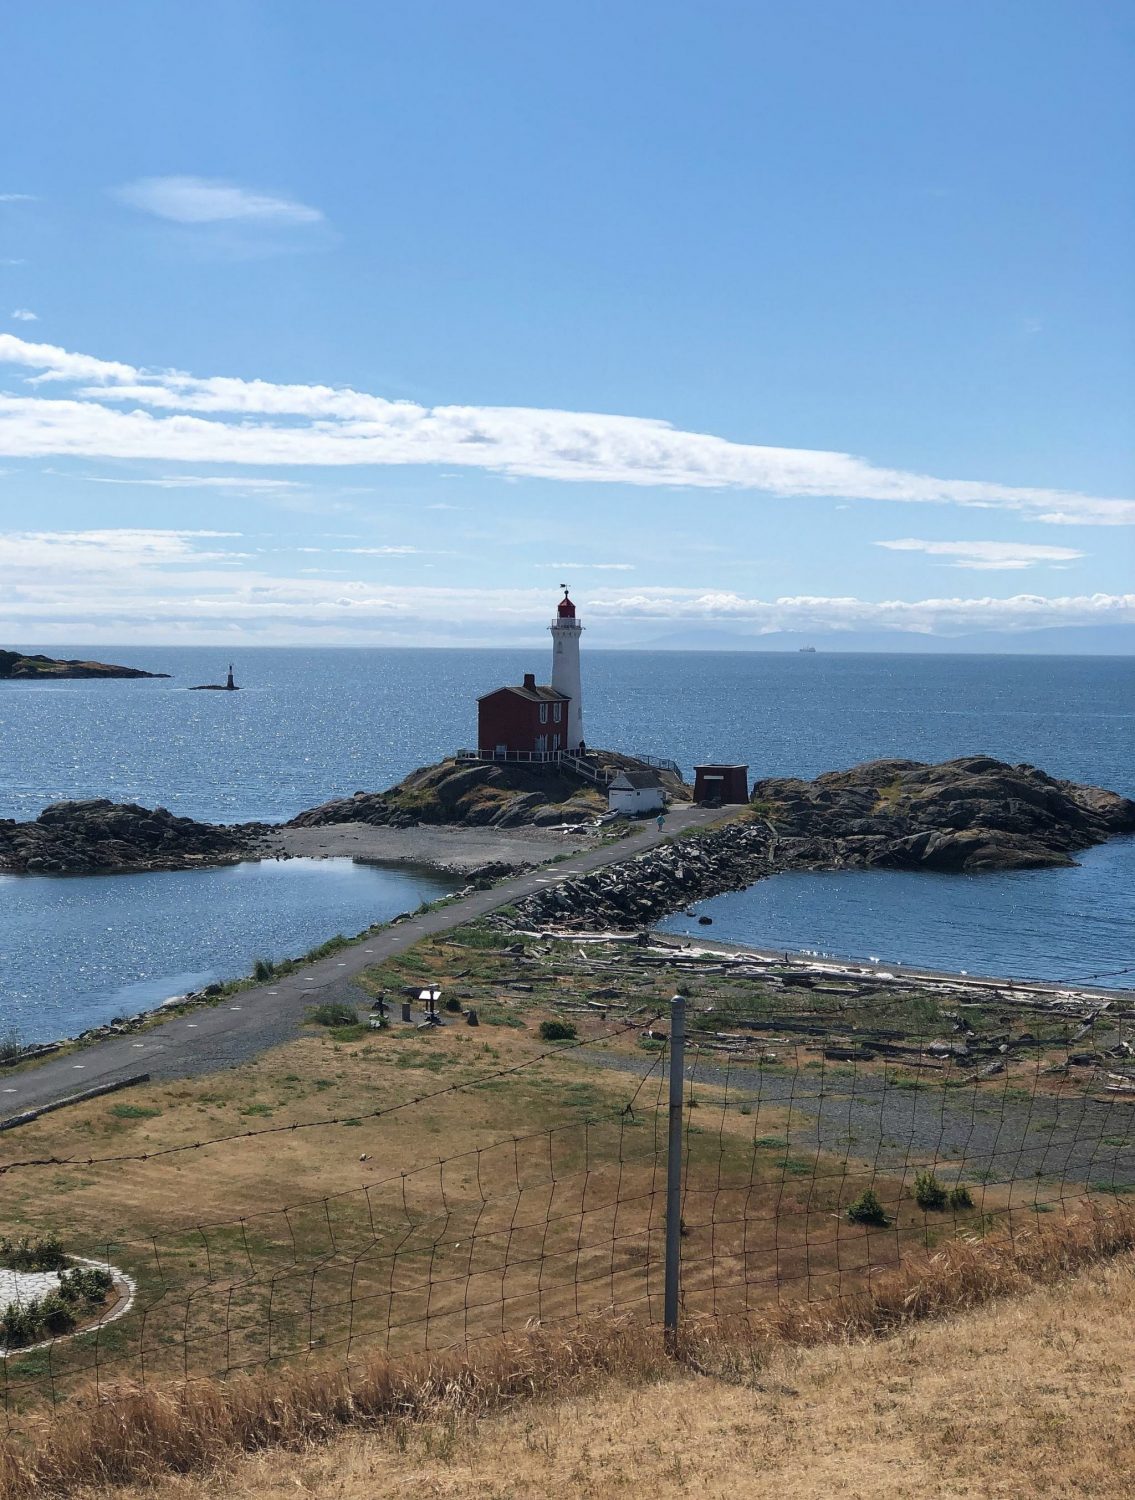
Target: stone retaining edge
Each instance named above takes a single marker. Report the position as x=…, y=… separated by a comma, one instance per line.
x=28, y=1115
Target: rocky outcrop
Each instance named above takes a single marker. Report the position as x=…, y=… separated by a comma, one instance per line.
x=17, y=667
x=103, y=837
x=975, y=813
x=972, y=814
x=477, y=795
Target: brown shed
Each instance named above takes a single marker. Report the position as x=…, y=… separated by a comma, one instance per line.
x=721, y=784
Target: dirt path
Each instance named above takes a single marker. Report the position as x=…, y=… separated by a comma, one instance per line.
x=248, y=1023
x=457, y=850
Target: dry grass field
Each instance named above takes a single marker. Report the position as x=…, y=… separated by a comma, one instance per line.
x=1024, y=1388
x=358, y=1196
x=1031, y=1396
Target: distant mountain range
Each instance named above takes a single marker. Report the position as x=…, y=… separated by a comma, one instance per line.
x=1059, y=640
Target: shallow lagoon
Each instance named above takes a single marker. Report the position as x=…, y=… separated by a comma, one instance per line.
x=74, y=952
x=1070, y=924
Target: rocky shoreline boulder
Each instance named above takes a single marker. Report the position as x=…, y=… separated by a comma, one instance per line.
x=102, y=837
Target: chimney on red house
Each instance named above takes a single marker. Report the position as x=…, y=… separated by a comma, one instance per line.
x=530, y=680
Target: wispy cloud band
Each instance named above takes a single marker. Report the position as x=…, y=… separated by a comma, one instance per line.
x=987, y=556
x=186, y=582
x=200, y=200
x=172, y=416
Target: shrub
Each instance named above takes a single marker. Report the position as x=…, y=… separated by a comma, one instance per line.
x=86, y=1284
x=43, y=1253
x=82, y=1289
x=262, y=969
x=961, y=1197
x=929, y=1192
x=55, y=1314
x=558, y=1031
x=868, y=1210
x=334, y=1013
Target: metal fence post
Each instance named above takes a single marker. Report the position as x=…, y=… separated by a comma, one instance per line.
x=674, y=1169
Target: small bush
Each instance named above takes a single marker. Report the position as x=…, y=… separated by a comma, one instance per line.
x=43, y=1253
x=85, y=1284
x=868, y=1210
x=453, y=1005
x=558, y=1031
x=334, y=1013
x=262, y=969
x=929, y=1193
x=56, y=1315
x=961, y=1197
x=82, y=1289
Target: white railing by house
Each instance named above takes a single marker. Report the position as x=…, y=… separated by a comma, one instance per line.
x=577, y=763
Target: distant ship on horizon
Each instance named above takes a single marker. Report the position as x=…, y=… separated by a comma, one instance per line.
x=810, y=649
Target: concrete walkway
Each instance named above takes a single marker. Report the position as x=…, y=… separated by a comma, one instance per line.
x=243, y=1025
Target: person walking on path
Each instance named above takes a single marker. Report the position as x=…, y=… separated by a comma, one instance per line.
x=661, y=818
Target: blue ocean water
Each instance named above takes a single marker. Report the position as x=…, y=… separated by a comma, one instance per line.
x=311, y=724
x=77, y=952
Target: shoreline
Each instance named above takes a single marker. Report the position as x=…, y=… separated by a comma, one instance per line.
x=1014, y=989
x=830, y=967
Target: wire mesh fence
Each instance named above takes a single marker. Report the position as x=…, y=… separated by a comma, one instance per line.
x=808, y=1168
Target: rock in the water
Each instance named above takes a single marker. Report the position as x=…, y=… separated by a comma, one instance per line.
x=97, y=836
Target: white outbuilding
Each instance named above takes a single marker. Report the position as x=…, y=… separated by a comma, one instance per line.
x=634, y=792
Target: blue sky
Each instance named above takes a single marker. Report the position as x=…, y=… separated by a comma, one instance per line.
x=348, y=323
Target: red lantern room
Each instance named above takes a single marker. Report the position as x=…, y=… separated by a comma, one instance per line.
x=566, y=609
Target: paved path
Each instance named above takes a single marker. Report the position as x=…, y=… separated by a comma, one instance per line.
x=249, y=1022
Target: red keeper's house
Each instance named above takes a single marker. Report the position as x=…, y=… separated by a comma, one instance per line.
x=526, y=720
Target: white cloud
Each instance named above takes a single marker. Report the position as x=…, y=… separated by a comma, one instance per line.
x=180, y=584
x=18, y=198
x=109, y=550
x=201, y=482
x=947, y=616
x=175, y=417
x=579, y=567
x=198, y=200
x=987, y=556
x=24, y=315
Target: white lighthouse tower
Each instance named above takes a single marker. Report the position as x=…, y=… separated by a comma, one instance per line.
x=566, y=631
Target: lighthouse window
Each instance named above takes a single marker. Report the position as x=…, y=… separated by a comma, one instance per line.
x=556, y=711
x=543, y=713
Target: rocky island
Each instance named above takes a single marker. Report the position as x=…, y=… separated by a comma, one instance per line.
x=99, y=837
x=486, y=795
x=16, y=667
x=964, y=815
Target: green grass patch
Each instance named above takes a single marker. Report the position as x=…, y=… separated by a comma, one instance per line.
x=134, y=1111
x=333, y=1013
x=352, y=1033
